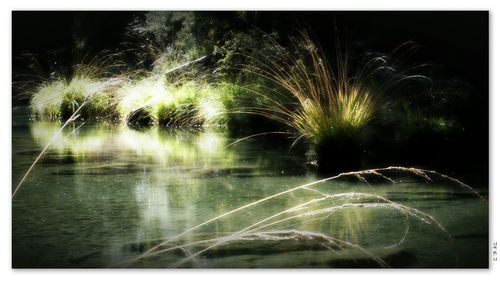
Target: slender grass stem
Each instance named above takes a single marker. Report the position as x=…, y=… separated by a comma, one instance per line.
x=72, y=118
x=359, y=174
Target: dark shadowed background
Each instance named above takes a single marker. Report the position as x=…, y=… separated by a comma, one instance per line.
x=457, y=42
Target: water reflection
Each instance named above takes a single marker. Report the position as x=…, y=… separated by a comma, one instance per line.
x=177, y=175
x=115, y=191
x=174, y=172
x=156, y=145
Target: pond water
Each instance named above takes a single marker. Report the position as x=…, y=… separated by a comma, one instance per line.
x=105, y=194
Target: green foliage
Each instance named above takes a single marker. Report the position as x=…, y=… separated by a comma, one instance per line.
x=159, y=36
x=189, y=104
x=247, y=74
x=102, y=106
x=322, y=103
x=47, y=99
x=416, y=122
x=60, y=99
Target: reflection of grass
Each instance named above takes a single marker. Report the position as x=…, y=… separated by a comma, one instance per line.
x=166, y=147
x=315, y=209
x=350, y=224
x=160, y=146
x=417, y=122
x=71, y=144
x=325, y=204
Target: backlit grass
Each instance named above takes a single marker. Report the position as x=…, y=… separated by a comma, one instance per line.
x=61, y=98
x=323, y=206
x=90, y=83
x=144, y=99
x=323, y=103
x=189, y=104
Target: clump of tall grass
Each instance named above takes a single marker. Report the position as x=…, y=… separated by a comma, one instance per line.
x=154, y=94
x=180, y=108
x=175, y=88
x=171, y=91
x=60, y=97
x=324, y=97
x=322, y=102
x=47, y=99
x=186, y=104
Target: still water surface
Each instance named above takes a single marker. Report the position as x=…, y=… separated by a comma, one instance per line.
x=103, y=194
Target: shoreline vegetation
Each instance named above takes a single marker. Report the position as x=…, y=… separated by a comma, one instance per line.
x=348, y=111
x=337, y=107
